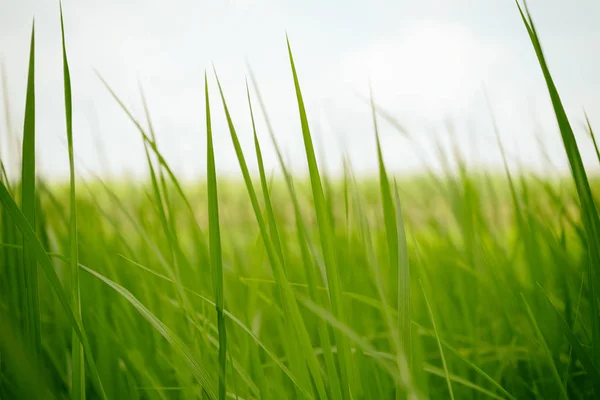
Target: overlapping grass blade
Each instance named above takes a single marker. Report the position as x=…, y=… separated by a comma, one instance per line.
x=580, y=351
x=280, y=275
x=437, y=337
x=345, y=330
x=196, y=367
x=301, y=231
x=547, y=351
x=197, y=232
x=295, y=357
x=44, y=261
x=234, y=319
x=462, y=381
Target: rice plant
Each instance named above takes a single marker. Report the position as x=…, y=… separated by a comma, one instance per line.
x=476, y=285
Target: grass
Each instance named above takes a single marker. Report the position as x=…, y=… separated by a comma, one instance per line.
x=466, y=284
x=77, y=360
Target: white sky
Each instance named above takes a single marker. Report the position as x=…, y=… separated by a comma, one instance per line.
x=427, y=62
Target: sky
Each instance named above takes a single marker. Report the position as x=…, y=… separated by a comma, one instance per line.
x=431, y=64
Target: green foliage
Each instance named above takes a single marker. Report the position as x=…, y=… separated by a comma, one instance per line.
x=302, y=288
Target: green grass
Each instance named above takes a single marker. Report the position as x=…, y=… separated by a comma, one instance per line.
x=464, y=284
x=77, y=360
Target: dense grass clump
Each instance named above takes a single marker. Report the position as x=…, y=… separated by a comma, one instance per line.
x=462, y=284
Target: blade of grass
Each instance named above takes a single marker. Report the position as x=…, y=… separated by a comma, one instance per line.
x=592, y=135
x=327, y=239
x=31, y=310
x=389, y=214
x=77, y=361
x=589, y=213
x=437, y=337
x=264, y=185
x=404, y=305
x=215, y=244
x=392, y=221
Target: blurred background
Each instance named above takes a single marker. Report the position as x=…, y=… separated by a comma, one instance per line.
x=430, y=64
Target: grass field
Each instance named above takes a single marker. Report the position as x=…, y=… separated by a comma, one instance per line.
x=464, y=284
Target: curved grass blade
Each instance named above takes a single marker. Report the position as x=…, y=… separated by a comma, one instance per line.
x=437, y=337
x=214, y=236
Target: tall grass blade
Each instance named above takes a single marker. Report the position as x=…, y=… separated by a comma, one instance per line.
x=393, y=228
x=327, y=240
x=265, y=187
x=215, y=244
x=404, y=304
x=30, y=303
x=589, y=213
x=77, y=361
